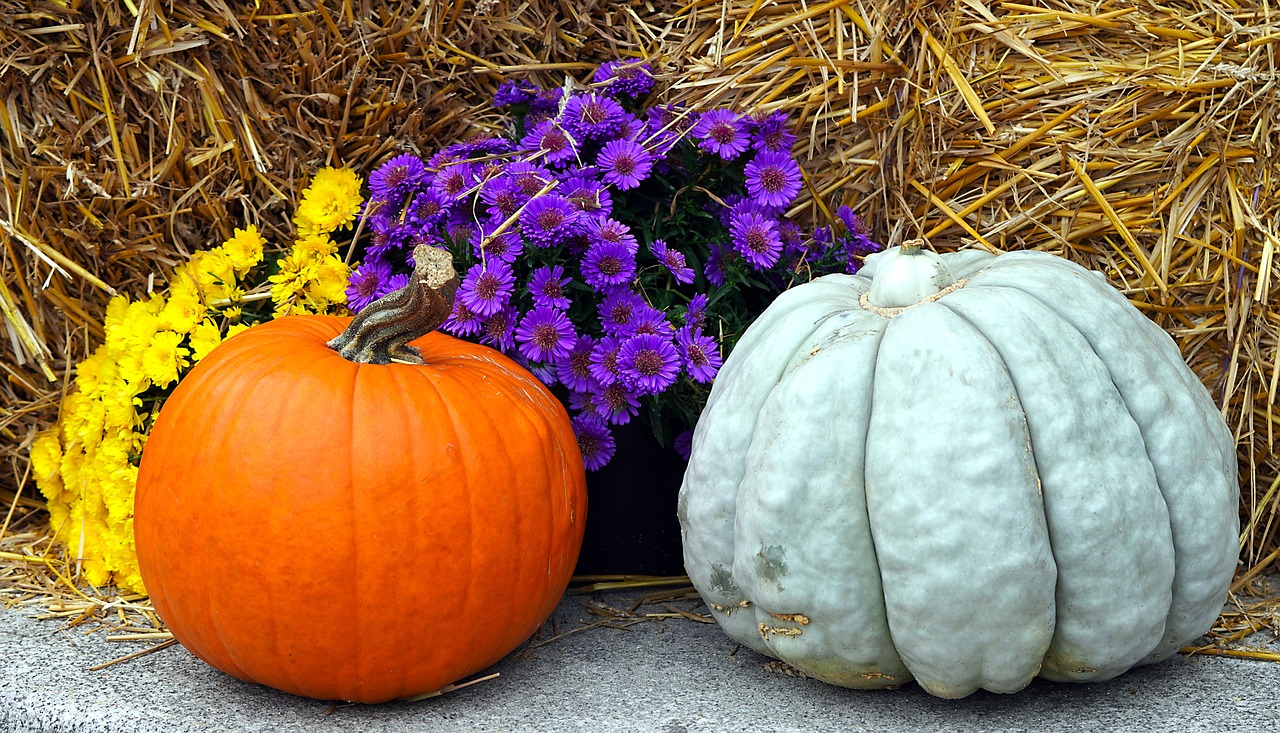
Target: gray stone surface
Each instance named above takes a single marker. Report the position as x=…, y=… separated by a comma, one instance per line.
x=667, y=676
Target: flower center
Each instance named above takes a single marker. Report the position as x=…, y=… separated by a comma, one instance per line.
x=545, y=337
x=610, y=266
x=625, y=164
x=723, y=133
x=620, y=314
x=588, y=444
x=697, y=355
x=614, y=397
x=529, y=184
x=487, y=286
x=580, y=364
x=367, y=286
x=397, y=176
x=648, y=363
x=756, y=240
x=496, y=326
x=554, y=141
x=593, y=113
x=507, y=203
x=772, y=179
x=454, y=183
x=549, y=218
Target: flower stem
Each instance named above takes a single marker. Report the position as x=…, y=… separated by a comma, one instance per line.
x=381, y=333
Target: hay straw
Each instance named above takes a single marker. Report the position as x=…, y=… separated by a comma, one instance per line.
x=1139, y=139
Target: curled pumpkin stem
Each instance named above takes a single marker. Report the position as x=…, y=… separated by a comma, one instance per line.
x=381, y=333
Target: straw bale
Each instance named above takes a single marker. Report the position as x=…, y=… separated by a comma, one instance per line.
x=1138, y=138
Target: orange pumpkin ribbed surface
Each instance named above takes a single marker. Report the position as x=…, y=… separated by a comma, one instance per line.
x=351, y=531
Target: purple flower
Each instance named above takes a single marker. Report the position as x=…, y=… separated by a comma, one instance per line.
x=773, y=178
x=595, y=442
x=514, y=91
x=545, y=334
x=454, y=179
x=792, y=237
x=720, y=131
x=487, y=287
x=649, y=363
x=548, y=138
x=547, y=284
x=700, y=354
x=618, y=311
x=365, y=282
x=612, y=231
x=592, y=117
x=506, y=246
x=683, y=444
x=502, y=197
x=545, y=103
x=426, y=209
x=528, y=178
x=624, y=78
x=696, y=316
x=756, y=239
x=650, y=320
x=714, y=269
x=616, y=403
x=587, y=195
x=397, y=177
x=392, y=284
x=548, y=220
x=608, y=265
x=574, y=370
x=499, y=329
x=673, y=260
x=479, y=146
x=604, y=360
x=625, y=163
x=772, y=133
x=463, y=321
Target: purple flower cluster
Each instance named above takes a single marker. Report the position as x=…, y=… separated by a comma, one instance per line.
x=592, y=239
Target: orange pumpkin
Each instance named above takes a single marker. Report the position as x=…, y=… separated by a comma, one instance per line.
x=358, y=531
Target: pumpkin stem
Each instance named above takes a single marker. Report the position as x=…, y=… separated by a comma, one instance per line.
x=380, y=334
x=912, y=246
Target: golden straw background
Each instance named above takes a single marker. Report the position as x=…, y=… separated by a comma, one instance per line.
x=1138, y=138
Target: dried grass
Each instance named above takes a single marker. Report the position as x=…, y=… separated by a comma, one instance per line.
x=1138, y=138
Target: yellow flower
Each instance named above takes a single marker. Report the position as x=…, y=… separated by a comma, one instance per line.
x=332, y=201
x=213, y=272
x=244, y=249
x=183, y=310
x=288, y=283
x=203, y=339
x=237, y=328
x=330, y=283
x=46, y=455
x=313, y=247
x=164, y=359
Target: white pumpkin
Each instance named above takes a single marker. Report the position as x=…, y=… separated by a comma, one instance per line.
x=995, y=469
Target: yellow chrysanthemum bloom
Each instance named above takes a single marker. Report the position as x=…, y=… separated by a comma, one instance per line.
x=331, y=202
x=203, y=338
x=244, y=248
x=329, y=285
x=214, y=273
x=165, y=358
x=184, y=309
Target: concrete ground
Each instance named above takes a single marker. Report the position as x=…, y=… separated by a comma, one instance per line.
x=665, y=676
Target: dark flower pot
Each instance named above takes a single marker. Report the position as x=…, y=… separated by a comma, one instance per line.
x=632, y=527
